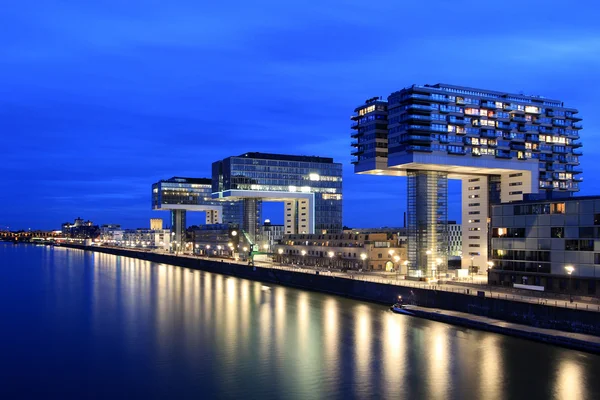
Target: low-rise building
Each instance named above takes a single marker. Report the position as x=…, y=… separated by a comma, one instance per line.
x=80, y=229
x=367, y=251
x=271, y=234
x=220, y=240
x=140, y=238
x=551, y=244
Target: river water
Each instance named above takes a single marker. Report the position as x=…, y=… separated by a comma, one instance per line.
x=76, y=324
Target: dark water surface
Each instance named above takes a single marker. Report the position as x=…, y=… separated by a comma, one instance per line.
x=76, y=324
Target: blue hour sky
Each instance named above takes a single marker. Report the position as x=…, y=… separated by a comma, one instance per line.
x=101, y=98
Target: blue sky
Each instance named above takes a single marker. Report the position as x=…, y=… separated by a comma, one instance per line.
x=100, y=99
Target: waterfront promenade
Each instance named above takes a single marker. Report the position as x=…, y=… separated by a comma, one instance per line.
x=462, y=287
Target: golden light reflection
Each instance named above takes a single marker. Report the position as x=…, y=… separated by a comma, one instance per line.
x=394, y=353
x=303, y=321
x=362, y=344
x=492, y=363
x=439, y=373
x=569, y=381
x=331, y=333
x=280, y=316
x=245, y=309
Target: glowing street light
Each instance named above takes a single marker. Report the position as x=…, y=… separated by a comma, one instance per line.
x=233, y=233
x=570, y=269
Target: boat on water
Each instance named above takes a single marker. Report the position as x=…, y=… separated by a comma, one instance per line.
x=400, y=308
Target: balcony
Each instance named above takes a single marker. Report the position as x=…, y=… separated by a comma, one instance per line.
x=503, y=155
x=456, y=121
x=419, y=128
x=488, y=104
x=577, y=179
x=420, y=107
x=577, y=126
x=457, y=151
x=419, y=96
x=577, y=152
x=425, y=149
x=357, y=152
x=418, y=138
x=354, y=143
x=522, y=128
x=516, y=118
x=354, y=125
x=488, y=134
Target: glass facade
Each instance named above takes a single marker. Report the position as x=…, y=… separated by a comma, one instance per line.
x=193, y=191
x=427, y=223
x=284, y=173
x=460, y=121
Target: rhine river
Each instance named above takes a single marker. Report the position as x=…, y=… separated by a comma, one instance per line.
x=77, y=324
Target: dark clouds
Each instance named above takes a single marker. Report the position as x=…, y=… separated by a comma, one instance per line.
x=100, y=99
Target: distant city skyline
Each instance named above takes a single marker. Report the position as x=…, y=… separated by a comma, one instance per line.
x=100, y=102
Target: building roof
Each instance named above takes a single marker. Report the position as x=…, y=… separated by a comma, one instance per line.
x=286, y=157
x=206, y=181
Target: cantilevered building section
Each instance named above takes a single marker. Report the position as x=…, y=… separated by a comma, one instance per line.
x=180, y=195
x=503, y=147
x=310, y=187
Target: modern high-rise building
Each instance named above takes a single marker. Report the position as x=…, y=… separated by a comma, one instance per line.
x=310, y=187
x=180, y=195
x=503, y=147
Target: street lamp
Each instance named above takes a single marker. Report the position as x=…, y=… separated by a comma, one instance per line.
x=266, y=246
x=303, y=252
x=363, y=257
x=570, y=269
x=233, y=233
x=438, y=262
x=472, y=268
x=428, y=252
x=330, y=254
x=280, y=252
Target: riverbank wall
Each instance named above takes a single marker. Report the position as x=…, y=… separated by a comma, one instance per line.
x=536, y=315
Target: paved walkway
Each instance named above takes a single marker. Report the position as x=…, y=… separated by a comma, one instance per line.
x=508, y=327
x=393, y=279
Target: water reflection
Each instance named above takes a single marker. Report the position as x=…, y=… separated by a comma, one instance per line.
x=171, y=332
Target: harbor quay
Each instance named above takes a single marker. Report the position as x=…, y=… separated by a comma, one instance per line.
x=578, y=318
